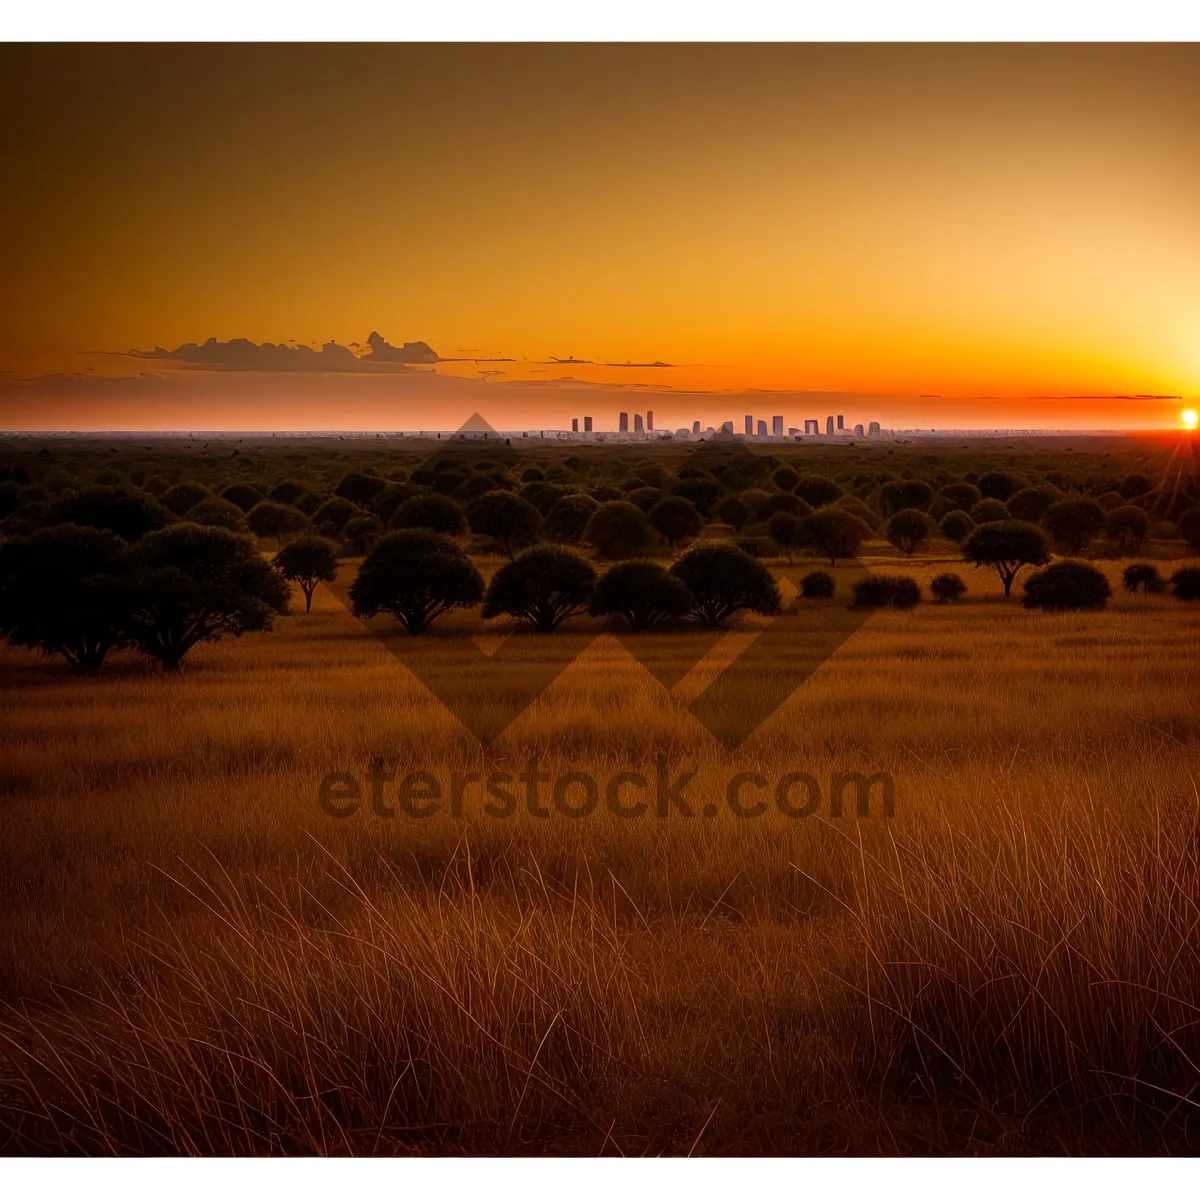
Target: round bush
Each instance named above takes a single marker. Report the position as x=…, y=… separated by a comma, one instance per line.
x=435, y=513
x=1185, y=584
x=947, y=586
x=957, y=525
x=1067, y=585
x=886, y=591
x=817, y=585
x=1143, y=577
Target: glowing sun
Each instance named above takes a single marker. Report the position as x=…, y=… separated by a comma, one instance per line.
x=1189, y=418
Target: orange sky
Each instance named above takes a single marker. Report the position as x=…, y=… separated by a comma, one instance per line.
x=894, y=222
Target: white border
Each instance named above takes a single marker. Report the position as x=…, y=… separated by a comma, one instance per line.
x=600, y=20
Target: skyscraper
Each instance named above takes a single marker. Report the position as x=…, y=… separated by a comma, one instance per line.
x=587, y=424
x=829, y=427
x=574, y=424
x=637, y=423
x=811, y=426
x=623, y=423
x=777, y=426
x=762, y=429
x=749, y=424
x=695, y=426
x=873, y=429
x=841, y=422
x=650, y=419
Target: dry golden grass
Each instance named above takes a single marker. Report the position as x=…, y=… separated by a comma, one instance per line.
x=196, y=959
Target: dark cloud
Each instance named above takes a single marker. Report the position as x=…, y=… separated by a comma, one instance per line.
x=241, y=354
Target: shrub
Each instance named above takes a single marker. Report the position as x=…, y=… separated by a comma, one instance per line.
x=956, y=526
x=785, y=478
x=434, y=513
x=817, y=585
x=786, y=531
x=269, y=519
x=568, y=518
x=287, y=492
x=1030, y=504
x=244, y=495
x=908, y=530
x=385, y=502
x=416, y=576
x=130, y=514
x=360, y=534
x=308, y=560
x=956, y=496
x=1189, y=527
x=1067, y=585
x=816, y=490
x=333, y=514
x=1136, y=485
x=999, y=485
x=675, y=518
x=989, y=510
x=947, y=586
x=1185, y=584
x=644, y=593
x=905, y=493
x=508, y=519
x=1127, y=527
x=734, y=512
x=182, y=496
x=703, y=493
x=1007, y=546
x=1143, y=577
x=723, y=580
x=619, y=529
x=544, y=586
x=1073, y=523
x=886, y=591
x=647, y=497
x=219, y=514
x=359, y=489
x=543, y=496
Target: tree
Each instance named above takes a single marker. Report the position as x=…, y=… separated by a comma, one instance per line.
x=988, y=510
x=1030, y=504
x=835, y=533
x=183, y=496
x=128, y=514
x=360, y=534
x=542, y=495
x=244, y=495
x=568, y=518
x=1185, y=583
x=1073, y=523
x=1127, y=526
x=908, y=530
x=509, y=519
x=288, y=492
x=1007, y=546
x=817, y=585
x=308, y=560
x=359, y=489
x=703, y=493
x=646, y=498
x=385, y=502
x=271, y=519
x=952, y=496
x=886, y=591
x=785, y=479
x=1189, y=527
x=198, y=583
x=905, y=493
x=816, y=490
x=956, y=526
x=544, y=586
x=675, y=519
x=724, y=580
x=416, y=576
x=787, y=532
x=786, y=502
x=1067, y=585
x=220, y=513
x=734, y=512
x=947, y=586
x=619, y=529
x=65, y=590
x=333, y=514
x=1136, y=485
x=435, y=513
x=999, y=485
x=1144, y=578
x=644, y=593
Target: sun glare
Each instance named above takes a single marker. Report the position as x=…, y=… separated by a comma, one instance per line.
x=1189, y=418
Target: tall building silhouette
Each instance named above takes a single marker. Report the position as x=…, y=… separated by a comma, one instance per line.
x=623, y=423
x=777, y=426
x=637, y=423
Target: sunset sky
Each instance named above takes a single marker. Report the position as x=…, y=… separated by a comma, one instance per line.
x=938, y=236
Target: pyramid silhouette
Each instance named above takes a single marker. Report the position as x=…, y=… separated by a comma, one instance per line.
x=475, y=424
